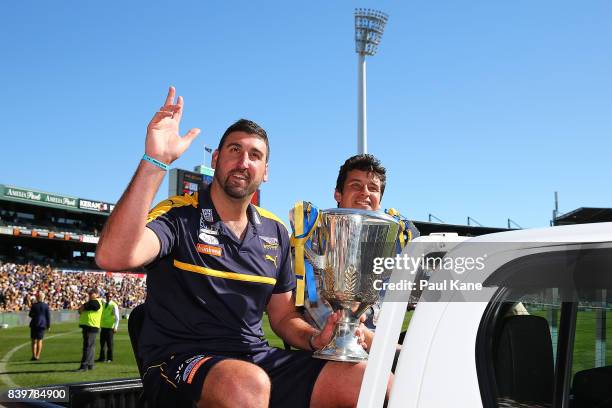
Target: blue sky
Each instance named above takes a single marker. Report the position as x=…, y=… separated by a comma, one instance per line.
x=480, y=108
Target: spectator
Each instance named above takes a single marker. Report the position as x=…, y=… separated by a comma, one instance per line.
x=41, y=321
x=108, y=327
x=2, y=299
x=89, y=322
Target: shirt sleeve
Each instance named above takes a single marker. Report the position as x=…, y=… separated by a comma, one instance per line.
x=48, y=313
x=116, y=312
x=163, y=222
x=286, y=278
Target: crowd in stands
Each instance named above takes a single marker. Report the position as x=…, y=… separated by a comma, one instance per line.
x=19, y=283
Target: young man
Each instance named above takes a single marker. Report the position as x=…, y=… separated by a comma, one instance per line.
x=41, y=321
x=108, y=327
x=360, y=185
x=215, y=263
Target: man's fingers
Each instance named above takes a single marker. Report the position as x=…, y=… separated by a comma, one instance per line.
x=192, y=134
x=164, y=113
x=170, y=97
x=179, y=104
x=186, y=140
x=330, y=324
x=159, y=115
x=171, y=108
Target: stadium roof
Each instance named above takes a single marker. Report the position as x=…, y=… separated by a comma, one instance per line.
x=426, y=228
x=53, y=200
x=585, y=215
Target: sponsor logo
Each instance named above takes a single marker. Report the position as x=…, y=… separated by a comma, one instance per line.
x=209, y=250
x=29, y=195
x=93, y=205
x=272, y=259
x=207, y=214
x=209, y=231
x=191, y=364
x=193, y=370
x=209, y=239
x=43, y=197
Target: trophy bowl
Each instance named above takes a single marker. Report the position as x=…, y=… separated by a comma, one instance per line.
x=349, y=242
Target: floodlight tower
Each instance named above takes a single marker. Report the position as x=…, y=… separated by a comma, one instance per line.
x=369, y=28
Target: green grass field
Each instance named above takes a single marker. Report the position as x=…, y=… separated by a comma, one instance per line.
x=584, y=342
x=61, y=355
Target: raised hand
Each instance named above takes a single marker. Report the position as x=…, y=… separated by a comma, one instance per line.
x=163, y=140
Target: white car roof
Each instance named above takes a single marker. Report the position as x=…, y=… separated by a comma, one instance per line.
x=597, y=232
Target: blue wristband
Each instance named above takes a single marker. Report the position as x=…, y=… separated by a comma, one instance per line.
x=156, y=162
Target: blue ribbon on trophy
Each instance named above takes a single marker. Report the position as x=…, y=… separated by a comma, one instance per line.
x=407, y=230
x=304, y=218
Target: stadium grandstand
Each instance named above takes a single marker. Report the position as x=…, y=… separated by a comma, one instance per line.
x=47, y=243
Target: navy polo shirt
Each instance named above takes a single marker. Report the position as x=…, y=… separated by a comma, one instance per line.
x=208, y=289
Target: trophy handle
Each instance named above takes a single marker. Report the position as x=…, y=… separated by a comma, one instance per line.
x=317, y=261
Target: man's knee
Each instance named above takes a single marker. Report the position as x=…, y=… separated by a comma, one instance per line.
x=338, y=385
x=235, y=383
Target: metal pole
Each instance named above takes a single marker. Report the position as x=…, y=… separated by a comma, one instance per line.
x=369, y=28
x=600, y=329
x=362, y=132
x=556, y=210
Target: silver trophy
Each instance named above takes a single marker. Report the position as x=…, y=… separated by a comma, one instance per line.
x=349, y=241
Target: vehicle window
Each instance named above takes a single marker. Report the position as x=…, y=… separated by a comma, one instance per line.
x=525, y=348
x=592, y=354
x=543, y=337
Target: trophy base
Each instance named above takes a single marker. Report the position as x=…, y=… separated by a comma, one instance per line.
x=344, y=345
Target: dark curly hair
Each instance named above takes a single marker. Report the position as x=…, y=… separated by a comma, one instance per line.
x=363, y=162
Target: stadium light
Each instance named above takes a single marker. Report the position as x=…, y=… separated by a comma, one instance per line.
x=369, y=28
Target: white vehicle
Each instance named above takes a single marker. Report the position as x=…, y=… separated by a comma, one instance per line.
x=533, y=336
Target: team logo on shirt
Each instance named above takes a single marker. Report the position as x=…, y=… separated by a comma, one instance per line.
x=207, y=232
x=209, y=250
x=207, y=214
x=269, y=242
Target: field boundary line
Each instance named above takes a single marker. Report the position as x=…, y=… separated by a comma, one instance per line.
x=6, y=378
